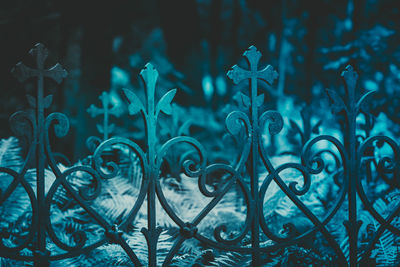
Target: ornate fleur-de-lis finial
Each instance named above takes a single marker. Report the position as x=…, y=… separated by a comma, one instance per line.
x=149, y=76
x=268, y=75
x=350, y=76
x=351, y=106
x=107, y=109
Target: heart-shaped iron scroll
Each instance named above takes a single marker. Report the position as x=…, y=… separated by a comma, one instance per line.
x=35, y=126
x=243, y=173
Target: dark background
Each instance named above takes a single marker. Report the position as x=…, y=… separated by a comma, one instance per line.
x=307, y=42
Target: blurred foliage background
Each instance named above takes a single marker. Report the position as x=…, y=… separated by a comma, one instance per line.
x=193, y=43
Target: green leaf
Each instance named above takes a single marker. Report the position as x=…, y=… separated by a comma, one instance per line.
x=164, y=105
x=135, y=104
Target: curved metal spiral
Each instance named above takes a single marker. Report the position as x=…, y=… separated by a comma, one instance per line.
x=346, y=162
x=385, y=165
x=36, y=127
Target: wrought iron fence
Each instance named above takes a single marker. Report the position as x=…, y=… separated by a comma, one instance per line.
x=349, y=162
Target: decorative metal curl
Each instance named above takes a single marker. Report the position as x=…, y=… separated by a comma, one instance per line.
x=36, y=127
x=348, y=160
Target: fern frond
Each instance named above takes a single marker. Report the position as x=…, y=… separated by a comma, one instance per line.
x=386, y=250
x=10, y=153
x=229, y=259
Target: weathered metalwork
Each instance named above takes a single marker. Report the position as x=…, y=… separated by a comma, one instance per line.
x=349, y=161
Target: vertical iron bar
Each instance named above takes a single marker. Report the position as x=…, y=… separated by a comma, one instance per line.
x=151, y=207
x=352, y=176
x=268, y=75
x=105, y=121
x=40, y=164
x=255, y=233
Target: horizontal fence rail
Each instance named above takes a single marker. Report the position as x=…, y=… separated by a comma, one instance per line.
x=244, y=174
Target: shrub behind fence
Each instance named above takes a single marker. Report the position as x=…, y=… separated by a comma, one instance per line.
x=352, y=161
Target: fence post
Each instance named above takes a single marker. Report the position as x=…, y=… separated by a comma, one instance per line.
x=352, y=225
x=351, y=156
x=268, y=75
x=56, y=73
x=150, y=113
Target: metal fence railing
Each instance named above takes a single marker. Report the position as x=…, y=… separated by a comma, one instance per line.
x=243, y=174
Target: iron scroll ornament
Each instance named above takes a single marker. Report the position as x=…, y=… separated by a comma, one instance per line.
x=151, y=163
x=253, y=153
x=36, y=126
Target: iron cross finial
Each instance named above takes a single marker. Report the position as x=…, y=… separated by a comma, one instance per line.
x=108, y=108
x=268, y=75
x=22, y=72
x=252, y=55
x=105, y=99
